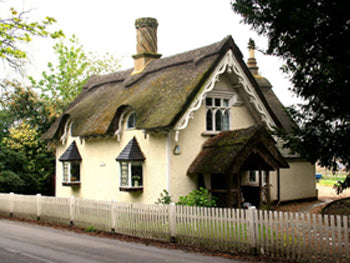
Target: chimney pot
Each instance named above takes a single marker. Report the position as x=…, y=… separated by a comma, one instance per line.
x=146, y=47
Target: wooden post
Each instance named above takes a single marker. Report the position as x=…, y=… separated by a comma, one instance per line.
x=71, y=209
x=229, y=190
x=113, y=215
x=252, y=231
x=172, y=222
x=38, y=206
x=239, y=188
x=260, y=188
x=278, y=186
x=268, y=188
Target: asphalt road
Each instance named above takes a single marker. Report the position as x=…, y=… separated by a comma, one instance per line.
x=27, y=243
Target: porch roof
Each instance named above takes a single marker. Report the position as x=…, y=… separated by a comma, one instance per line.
x=229, y=151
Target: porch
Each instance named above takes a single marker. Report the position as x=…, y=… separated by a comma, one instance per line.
x=226, y=157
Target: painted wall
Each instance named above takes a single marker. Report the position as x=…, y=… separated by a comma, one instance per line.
x=193, y=137
x=100, y=171
x=299, y=181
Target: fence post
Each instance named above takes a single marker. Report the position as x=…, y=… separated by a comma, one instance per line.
x=11, y=203
x=71, y=209
x=172, y=222
x=252, y=233
x=113, y=215
x=38, y=206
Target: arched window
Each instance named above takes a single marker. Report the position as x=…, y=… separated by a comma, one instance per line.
x=209, y=120
x=226, y=121
x=131, y=121
x=218, y=113
x=218, y=120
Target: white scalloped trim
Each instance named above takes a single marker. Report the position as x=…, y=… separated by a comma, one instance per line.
x=229, y=63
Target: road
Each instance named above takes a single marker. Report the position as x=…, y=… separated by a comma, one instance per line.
x=27, y=243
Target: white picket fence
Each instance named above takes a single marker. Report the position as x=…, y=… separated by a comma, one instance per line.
x=296, y=236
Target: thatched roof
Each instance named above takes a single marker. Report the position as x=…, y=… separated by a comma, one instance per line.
x=159, y=95
x=229, y=150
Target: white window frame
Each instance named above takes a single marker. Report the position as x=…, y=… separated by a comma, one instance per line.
x=256, y=181
x=129, y=174
x=213, y=108
x=67, y=172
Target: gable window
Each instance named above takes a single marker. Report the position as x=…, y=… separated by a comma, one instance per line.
x=217, y=114
x=131, y=167
x=71, y=160
x=131, y=121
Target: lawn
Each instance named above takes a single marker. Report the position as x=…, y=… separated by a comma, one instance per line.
x=330, y=180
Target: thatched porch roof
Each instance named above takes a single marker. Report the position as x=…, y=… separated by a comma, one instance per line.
x=229, y=151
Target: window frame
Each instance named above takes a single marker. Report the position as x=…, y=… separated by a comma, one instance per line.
x=67, y=176
x=215, y=104
x=127, y=167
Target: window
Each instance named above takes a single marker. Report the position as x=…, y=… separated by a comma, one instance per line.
x=218, y=114
x=131, y=174
x=71, y=172
x=254, y=177
x=131, y=121
x=71, y=160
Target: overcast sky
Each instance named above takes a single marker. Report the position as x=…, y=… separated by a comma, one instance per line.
x=108, y=26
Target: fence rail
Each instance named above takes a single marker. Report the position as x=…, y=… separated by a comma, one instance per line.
x=296, y=236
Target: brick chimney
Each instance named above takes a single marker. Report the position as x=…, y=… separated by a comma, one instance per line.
x=146, y=47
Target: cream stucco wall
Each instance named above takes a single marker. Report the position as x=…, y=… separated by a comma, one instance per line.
x=298, y=182
x=192, y=138
x=100, y=172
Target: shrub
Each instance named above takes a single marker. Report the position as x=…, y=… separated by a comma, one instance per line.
x=164, y=199
x=200, y=197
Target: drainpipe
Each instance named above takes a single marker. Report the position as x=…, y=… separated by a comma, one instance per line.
x=167, y=162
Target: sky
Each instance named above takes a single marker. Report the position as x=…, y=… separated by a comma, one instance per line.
x=108, y=26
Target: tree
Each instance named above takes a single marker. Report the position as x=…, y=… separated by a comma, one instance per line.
x=64, y=80
x=15, y=30
x=26, y=162
x=312, y=38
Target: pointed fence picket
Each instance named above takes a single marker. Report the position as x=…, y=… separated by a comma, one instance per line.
x=295, y=236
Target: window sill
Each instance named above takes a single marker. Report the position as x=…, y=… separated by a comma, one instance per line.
x=131, y=189
x=71, y=183
x=210, y=133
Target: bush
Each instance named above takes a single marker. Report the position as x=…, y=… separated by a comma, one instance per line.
x=200, y=197
x=164, y=199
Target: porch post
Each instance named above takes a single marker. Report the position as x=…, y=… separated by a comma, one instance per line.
x=229, y=181
x=239, y=188
x=260, y=187
x=278, y=186
x=268, y=188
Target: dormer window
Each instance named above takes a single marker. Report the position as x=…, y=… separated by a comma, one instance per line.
x=131, y=167
x=131, y=124
x=218, y=114
x=71, y=160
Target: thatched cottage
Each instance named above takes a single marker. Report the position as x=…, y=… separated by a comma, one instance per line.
x=200, y=118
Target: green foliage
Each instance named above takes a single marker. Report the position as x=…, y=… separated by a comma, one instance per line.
x=26, y=162
x=90, y=229
x=164, y=199
x=64, y=80
x=340, y=186
x=200, y=197
x=15, y=30
x=312, y=38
